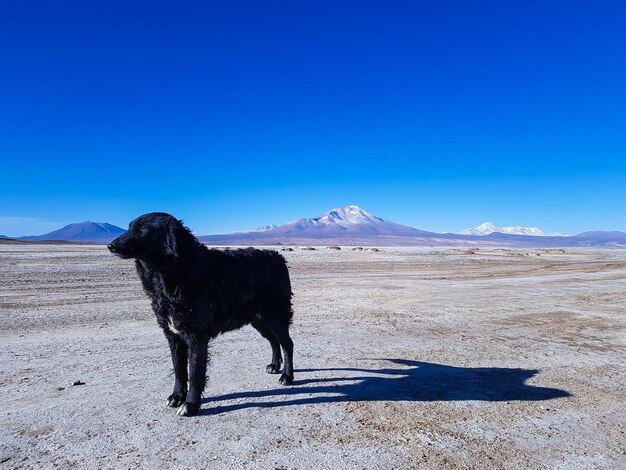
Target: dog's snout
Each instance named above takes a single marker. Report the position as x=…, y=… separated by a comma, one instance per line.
x=113, y=247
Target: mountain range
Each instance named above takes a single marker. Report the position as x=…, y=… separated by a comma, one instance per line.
x=351, y=225
x=489, y=227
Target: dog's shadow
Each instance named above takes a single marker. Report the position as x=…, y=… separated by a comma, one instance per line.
x=415, y=382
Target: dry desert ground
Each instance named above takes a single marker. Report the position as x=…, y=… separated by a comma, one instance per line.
x=405, y=358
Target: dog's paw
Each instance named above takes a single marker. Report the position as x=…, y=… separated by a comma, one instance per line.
x=272, y=369
x=188, y=409
x=286, y=379
x=175, y=400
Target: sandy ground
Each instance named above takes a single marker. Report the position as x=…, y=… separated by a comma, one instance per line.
x=404, y=359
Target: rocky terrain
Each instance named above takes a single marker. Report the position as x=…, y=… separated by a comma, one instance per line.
x=405, y=358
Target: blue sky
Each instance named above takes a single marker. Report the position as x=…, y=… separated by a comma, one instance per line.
x=435, y=114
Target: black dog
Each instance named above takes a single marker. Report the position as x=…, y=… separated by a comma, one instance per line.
x=198, y=293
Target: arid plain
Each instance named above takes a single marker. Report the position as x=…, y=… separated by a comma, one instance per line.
x=405, y=358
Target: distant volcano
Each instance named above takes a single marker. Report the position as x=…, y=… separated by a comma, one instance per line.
x=348, y=225
x=93, y=232
x=344, y=221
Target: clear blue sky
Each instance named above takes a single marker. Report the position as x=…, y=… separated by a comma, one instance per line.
x=233, y=114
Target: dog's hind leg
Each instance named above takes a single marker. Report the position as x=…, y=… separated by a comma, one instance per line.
x=198, y=354
x=261, y=327
x=280, y=328
x=178, y=348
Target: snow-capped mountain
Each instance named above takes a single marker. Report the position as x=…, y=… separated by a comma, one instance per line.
x=344, y=221
x=264, y=228
x=489, y=227
x=346, y=224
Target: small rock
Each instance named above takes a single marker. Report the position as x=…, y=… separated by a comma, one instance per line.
x=77, y=382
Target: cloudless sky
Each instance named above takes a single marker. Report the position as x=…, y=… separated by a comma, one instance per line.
x=233, y=114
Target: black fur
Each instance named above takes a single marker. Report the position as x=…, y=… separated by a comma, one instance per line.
x=198, y=293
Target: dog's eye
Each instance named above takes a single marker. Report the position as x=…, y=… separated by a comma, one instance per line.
x=143, y=228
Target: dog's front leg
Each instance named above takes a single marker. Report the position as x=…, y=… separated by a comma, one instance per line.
x=178, y=348
x=197, y=345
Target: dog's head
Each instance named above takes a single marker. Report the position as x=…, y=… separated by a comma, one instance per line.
x=152, y=237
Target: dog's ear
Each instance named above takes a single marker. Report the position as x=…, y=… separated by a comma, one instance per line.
x=179, y=241
x=173, y=230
